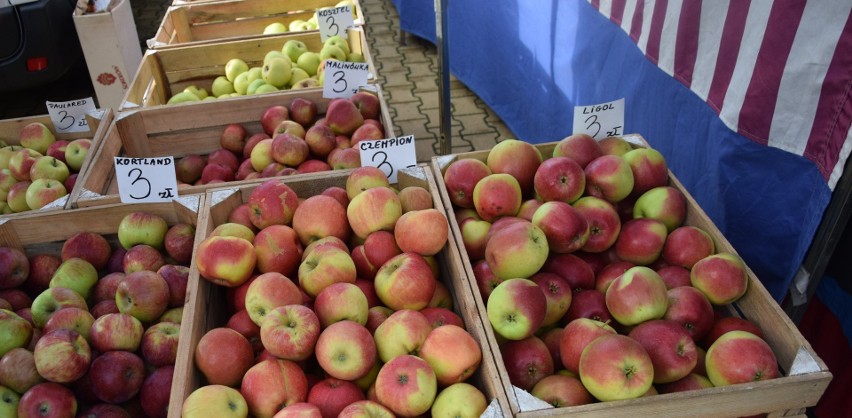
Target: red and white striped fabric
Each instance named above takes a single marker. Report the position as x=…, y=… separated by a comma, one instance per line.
x=776, y=72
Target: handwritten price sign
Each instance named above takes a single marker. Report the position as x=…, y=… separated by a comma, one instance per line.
x=70, y=116
x=334, y=21
x=389, y=155
x=601, y=120
x=145, y=180
x=343, y=79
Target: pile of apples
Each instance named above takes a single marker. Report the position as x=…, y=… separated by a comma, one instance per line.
x=337, y=309
x=293, y=67
x=593, y=284
x=301, y=25
x=40, y=170
x=294, y=140
x=94, y=330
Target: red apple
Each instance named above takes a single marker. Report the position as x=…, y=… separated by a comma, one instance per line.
x=320, y=216
x=722, y=277
x=368, y=104
x=142, y=257
x=581, y=148
x=179, y=241
x=604, y=223
x=561, y=391
x=406, y=385
x=415, y=198
x=518, y=251
x=143, y=294
x=671, y=348
x=62, y=356
x=438, y=316
x=649, y=169
x=497, y=195
x=609, y=273
x=559, y=179
x=14, y=267
x=573, y=269
x=233, y=138
x=272, y=116
x=666, y=204
x=740, y=357
x=576, y=335
x=117, y=376
x=323, y=266
x=423, y=232
x=159, y=345
x=566, y=229
x=346, y=350
x=49, y=400
x=18, y=370
x=527, y=361
x=518, y=159
x=406, y=281
x=156, y=392
x=615, y=367
x=278, y=250
x=343, y=117
x=729, y=323
x=637, y=296
x=641, y=241
x=693, y=381
x=609, y=177
x=271, y=385
x=116, y=331
x=403, y=332
x=89, y=246
x=332, y=395
x=290, y=332
x=674, y=276
x=588, y=303
x=289, y=150
x=691, y=309
x=272, y=203
x=558, y=294
x=460, y=178
x=226, y=261
x=321, y=140
x=188, y=168
x=516, y=308
x=269, y=291
x=374, y=209
x=303, y=111
x=223, y=356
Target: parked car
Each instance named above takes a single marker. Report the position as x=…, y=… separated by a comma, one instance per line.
x=38, y=42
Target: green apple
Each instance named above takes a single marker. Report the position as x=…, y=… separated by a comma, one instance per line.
x=183, y=97
x=294, y=48
x=241, y=83
x=255, y=73
x=222, y=86
x=76, y=274
x=332, y=51
x=339, y=42
x=296, y=25
x=15, y=331
x=276, y=72
x=273, y=28
x=53, y=299
x=355, y=57
x=6, y=154
x=76, y=152
x=273, y=54
x=47, y=167
x=297, y=74
x=43, y=191
x=253, y=85
x=36, y=136
x=142, y=228
x=305, y=84
x=209, y=98
x=309, y=61
x=266, y=88
x=235, y=67
x=9, y=400
x=199, y=92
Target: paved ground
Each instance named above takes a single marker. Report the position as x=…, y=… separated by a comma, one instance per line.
x=406, y=66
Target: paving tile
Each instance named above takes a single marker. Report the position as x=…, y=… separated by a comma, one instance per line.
x=402, y=95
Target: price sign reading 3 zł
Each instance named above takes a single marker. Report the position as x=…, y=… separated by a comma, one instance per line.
x=70, y=116
x=389, y=155
x=335, y=21
x=146, y=180
x=600, y=120
x=343, y=79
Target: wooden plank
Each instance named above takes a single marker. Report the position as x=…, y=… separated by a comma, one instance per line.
x=260, y=8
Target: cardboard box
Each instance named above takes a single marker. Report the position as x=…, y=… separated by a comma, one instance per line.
x=804, y=376
x=111, y=46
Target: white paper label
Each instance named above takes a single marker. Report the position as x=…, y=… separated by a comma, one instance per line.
x=343, y=79
x=145, y=180
x=600, y=120
x=389, y=155
x=70, y=116
x=335, y=21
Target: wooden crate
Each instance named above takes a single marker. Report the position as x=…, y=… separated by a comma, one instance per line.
x=178, y=131
x=804, y=375
x=99, y=123
x=196, y=23
x=206, y=309
x=165, y=72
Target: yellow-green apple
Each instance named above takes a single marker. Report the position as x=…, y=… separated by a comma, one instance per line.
x=47, y=167
x=289, y=127
x=323, y=266
x=332, y=395
x=15, y=331
x=637, y=296
x=62, y=356
x=174, y=315
x=272, y=203
x=223, y=356
x=302, y=110
x=374, y=209
x=251, y=142
x=517, y=158
x=214, y=401
x=160, y=343
x=604, y=223
x=21, y=162
x=406, y=385
x=611, y=272
x=6, y=154
x=691, y=309
x=693, y=381
x=290, y=332
x=143, y=294
x=226, y=261
x=558, y=295
x=517, y=251
x=729, y=323
x=415, y=198
x=341, y=301
x=463, y=214
x=609, y=177
x=674, y=276
x=188, y=168
x=615, y=367
x=344, y=158
x=269, y=291
x=16, y=198
x=452, y=352
x=288, y=149
x=566, y=229
x=156, y=392
x=52, y=300
x=516, y=308
x=364, y=178
x=234, y=229
x=116, y=331
x=320, y=216
x=233, y=138
x=76, y=152
x=235, y=67
x=460, y=179
x=299, y=410
x=559, y=179
x=43, y=191
x=346, y=350
x=649, y=169
x=366, y=409
x=277, y=71
x=527, y=361
x=722, y=277
x=686, y=245
x=671, y=348
x=75, y=319
x=177, y=278
x=664, y=203
x=89, y=246
x=615, y=145
x=497, y=195
x=311, y=166
x=14, y=268
x=36, y=136
x=142, y=228
x=18, y=371
x=142, y=257
x=576, y=335
x=320, y=140
x=293, y=48
x=641, y=241
x=403, y=332
x=261, y=154
x=561, y=391
x=47, y=400
x=423, y=232
x=740, y=357
x=459, y=400
x=474, y=237
x=406, y=281
x=117, y=376
x=367, y=103
x=581, y=148
x=278, y=250
x=343, y=117
x=309, y=61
